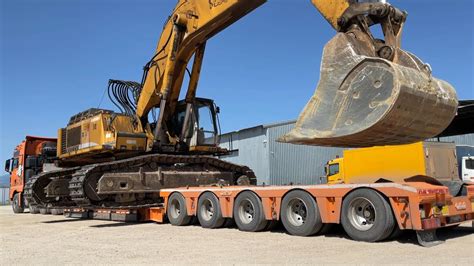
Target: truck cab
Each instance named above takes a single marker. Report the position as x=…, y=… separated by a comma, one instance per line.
x=29, y=158
x=467, y=168
x=334, y=171
x=465, y=156
x=442, y=161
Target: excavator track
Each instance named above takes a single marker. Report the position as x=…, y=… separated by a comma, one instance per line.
x=83, y=184
x=34, y=191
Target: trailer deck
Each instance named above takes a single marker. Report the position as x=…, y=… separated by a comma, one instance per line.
x=305, y=210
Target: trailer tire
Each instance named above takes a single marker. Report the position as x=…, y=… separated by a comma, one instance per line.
x=367, y=216
x=16, y=204
x=300, y=214
x=248, y=212
x=33, y=209
x=56, y=211
x=209, y=211
x=44, y=211
x=396, y=233
x=176, y=211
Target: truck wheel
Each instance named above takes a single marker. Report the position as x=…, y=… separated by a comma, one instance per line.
x=44, y=211
x=209, y=211
x=33, y=209
x=300, y=214
x=177, y=213
x=248, y=212
x=56, y=211
x=367, y=216
x=16, y=205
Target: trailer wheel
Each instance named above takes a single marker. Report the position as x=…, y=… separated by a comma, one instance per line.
x=16, y=205
x=248, y=212
x=209, y=211
x=300, y=214
x=367, y=216
x=56, y=211
x=176, y=212
x=33, y=209
x=44, y=211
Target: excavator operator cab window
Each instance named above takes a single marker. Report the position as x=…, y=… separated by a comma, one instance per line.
x=202, y=126
x=207, y=133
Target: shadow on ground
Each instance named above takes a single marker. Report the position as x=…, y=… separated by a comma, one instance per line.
x=335, y=231
x=62, y=221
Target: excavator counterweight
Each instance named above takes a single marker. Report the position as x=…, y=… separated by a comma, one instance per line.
x=371, y=92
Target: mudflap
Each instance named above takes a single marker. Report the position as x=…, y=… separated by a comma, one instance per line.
x=428, y=238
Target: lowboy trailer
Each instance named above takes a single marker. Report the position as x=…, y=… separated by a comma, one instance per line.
x=367, y=212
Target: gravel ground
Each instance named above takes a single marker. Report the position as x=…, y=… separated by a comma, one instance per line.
x=46, y=239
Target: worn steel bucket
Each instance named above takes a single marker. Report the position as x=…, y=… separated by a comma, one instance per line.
x=363, y=100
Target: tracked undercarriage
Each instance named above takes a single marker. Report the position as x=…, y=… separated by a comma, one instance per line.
x=131, y=182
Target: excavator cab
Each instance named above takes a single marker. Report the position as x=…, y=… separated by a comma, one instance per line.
x=198, y=123
x=372, y=92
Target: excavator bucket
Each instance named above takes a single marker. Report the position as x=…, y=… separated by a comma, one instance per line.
x=365, y=100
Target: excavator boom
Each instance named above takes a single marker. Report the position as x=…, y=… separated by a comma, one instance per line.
x=185, y=33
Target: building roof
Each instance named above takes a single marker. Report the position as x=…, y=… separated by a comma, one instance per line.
x=463, y=122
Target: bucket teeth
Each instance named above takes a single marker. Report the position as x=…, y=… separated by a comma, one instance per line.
x=363, y=100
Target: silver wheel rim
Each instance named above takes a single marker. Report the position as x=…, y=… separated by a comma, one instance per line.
x=297, y=212
x=246, y=211
x=175, y=208
x=362, y=214
x=207, y=210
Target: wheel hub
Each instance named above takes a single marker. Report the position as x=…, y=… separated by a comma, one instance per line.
x=297, y=212
x=246, y=211
x=362, y=213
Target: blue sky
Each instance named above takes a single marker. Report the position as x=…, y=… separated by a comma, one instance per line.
x=56, y=57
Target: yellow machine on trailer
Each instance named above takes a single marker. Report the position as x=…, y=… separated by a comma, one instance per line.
x=371, y=92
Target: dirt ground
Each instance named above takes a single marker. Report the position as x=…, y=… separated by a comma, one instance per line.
x=45, y=239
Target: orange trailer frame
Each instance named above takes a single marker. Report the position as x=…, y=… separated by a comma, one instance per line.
x=418, y=206
x=405, y=199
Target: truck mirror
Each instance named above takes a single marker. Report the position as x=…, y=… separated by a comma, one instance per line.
x=8, y=165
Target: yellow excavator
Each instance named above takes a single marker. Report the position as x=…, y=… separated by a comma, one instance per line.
x=371, y=92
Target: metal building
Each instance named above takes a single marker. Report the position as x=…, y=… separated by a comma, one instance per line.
x=277, y=163
x=4, y=195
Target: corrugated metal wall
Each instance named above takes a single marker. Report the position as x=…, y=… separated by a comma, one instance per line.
x=297, y=164
x=467, y=139
x=4, y=194
x=279, y=163
x=248, y=147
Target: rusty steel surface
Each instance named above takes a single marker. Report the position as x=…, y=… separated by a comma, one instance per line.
x=364, y=100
